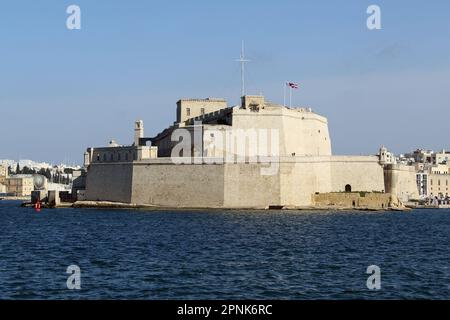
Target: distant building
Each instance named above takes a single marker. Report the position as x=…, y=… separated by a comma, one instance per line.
x=2, y=189
x=440, y=158
x=3, y=173
x=420, y=156
x=432, y=171
x=438, y=185
x=79, y=184
x=3, y=177
x=20, y=185
x=439, y=169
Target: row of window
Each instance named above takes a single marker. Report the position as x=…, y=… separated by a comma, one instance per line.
x=188, y=111
x=126, y=156
x=18, y=188
x=439, y=182
x=438, y=189
x=14, y=182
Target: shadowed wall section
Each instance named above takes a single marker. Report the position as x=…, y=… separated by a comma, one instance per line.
x=109, y=182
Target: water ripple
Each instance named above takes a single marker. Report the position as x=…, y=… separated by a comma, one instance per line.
x=223, y=255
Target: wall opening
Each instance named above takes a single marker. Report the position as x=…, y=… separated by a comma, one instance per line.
x=348, y=188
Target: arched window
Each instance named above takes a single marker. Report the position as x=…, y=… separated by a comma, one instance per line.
x=348, y=188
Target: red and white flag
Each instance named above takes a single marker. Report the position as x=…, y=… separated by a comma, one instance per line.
x=292, y=85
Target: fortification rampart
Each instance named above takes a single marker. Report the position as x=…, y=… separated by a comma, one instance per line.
x=160, y=182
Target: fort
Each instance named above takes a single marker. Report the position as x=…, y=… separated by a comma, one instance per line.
x=256, y=155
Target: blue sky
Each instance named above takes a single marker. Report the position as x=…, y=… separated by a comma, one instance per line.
x=62, y=91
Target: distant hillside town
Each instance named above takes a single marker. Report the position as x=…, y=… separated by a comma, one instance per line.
x=18, y=178
x=429, y=170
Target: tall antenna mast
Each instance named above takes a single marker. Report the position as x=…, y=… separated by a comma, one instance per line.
x=242, y=61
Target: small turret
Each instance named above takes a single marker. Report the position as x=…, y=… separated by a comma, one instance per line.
x=386, y=157
x=138, y=132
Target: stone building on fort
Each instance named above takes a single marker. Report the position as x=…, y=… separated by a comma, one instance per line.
x=254, y=155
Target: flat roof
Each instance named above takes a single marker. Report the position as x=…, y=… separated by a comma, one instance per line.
x=203, y=100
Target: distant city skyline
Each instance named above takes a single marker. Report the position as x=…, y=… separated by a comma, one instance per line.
x=63, y=91
x=34, y=164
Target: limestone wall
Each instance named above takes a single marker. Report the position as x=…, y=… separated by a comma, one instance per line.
x=246, y=187
x=302, y=177
x=162, y=183
x=109, y=182
x=305, y=133
x=361, y=173
x=301, y=132
x=352, y=200
x=401, y=181
x=295, y=180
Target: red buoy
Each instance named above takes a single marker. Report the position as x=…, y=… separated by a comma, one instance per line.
x=37, y=206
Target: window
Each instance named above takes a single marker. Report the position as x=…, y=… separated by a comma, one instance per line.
x=112, y=157
x=98, y=157
x=254, y=107
x=188, y=111
x=202, y=111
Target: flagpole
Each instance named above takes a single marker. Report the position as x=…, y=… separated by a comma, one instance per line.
x=284, y=93
x=290, y=97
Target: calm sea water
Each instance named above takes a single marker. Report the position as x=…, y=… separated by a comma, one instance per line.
x=222, y=254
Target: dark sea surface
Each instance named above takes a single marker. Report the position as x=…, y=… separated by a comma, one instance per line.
x=129, y=254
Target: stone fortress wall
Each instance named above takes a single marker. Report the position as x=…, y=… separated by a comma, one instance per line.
x=400, y=181
x=159, y=182
x=370, y=201
x=109, y=182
